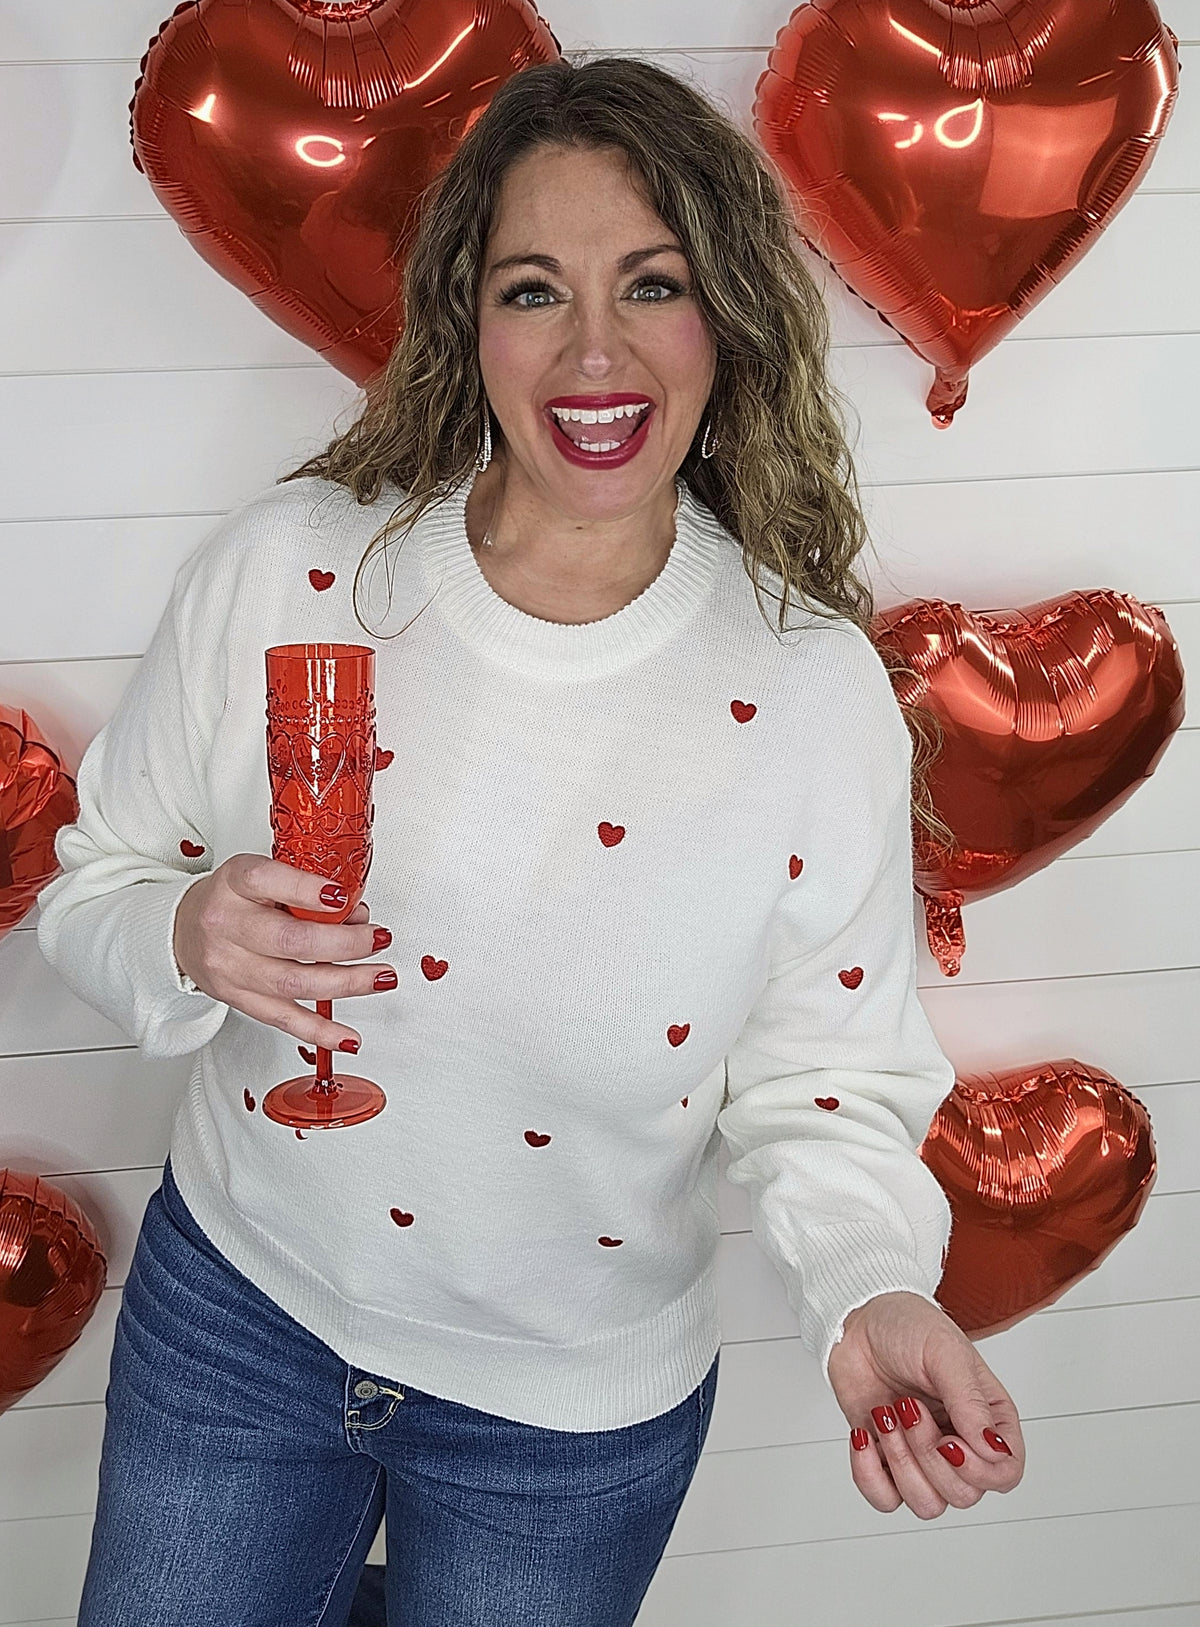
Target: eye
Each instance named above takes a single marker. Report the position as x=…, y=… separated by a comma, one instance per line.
x=529, y=285
x=669, y=283
x=536, y=285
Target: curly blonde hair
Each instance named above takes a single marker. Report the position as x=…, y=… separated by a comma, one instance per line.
x=781, y=480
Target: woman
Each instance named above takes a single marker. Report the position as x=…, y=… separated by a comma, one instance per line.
x=648, y=861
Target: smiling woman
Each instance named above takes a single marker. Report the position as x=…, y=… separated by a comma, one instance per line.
x=645, y=864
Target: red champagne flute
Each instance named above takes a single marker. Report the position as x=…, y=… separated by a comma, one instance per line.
x=321, y=762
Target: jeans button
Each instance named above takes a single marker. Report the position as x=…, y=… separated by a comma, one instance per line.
x=365, y=1390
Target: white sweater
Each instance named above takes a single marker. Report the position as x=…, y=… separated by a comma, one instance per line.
x=666, y=859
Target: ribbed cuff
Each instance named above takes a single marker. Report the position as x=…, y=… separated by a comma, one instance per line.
x=860, y=1265
x=180, y=1017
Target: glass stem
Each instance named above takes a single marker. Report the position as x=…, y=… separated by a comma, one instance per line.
x=325, y=1058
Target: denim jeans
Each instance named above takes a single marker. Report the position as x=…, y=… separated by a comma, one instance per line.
x=246, y=1467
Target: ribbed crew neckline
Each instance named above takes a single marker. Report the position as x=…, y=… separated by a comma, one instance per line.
x=524, y=643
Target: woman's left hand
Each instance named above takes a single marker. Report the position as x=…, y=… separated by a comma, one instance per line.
x=896, y=1350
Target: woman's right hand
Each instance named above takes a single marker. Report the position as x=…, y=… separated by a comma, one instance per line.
x=236, y=940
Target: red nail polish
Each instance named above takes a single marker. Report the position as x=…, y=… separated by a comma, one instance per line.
x=382, y=938
x=349, y=1045
x=909, y=1411
x=385, y=979
x=997, y=1442
x=859, y=1440
x=885, y=1419
x=953, y=1453
x=333, y=895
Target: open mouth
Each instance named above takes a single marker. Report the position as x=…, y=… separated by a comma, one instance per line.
x=599, y=432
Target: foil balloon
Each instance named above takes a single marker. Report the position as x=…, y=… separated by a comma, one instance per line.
x=953, y=160
x=36, y=796
x=1052, y=716
x=291, y=141
x=1045, y=1168
x=52, y=1273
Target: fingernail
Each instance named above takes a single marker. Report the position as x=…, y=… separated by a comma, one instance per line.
x=909, y=1410
x=333, y=895
x=859, y=1440
x=386, y=979
x=349, y=1045
x=953, y=1453
x=885, y=1418
x=382, y=938
x=996, y=1442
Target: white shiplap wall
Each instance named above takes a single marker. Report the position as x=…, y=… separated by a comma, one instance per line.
x=125, y=432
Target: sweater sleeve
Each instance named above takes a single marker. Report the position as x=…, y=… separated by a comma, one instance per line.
x=840, y=1201
x=106, y=923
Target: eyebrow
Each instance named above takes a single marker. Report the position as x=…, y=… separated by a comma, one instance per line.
x=548, y=263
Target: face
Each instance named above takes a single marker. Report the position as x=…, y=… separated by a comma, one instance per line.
x=582, y=311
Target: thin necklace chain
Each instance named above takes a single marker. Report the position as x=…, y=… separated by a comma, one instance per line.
x=487, y=535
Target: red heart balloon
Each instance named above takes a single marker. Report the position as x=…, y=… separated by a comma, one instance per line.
x=1052, y=716
x=953, y=159
x=1045, y=1168
x=52, y=1273
x=37, y=795
x=291, y=139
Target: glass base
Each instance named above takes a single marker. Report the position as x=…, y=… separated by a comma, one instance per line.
x=312, y=1104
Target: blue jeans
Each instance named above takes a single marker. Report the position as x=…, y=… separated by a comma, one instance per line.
x=246, y=1467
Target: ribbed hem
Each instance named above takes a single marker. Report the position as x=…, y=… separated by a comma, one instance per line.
x=527, y=644
x=630, y=1375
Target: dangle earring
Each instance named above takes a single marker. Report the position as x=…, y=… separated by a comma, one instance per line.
x=485, y=454
x=707, y=451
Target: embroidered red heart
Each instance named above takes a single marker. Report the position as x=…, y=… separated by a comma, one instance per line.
x=382, y=759
x=677, y=1033
x=190, y=850
x=610, y=1242
x=249, y=1101
x=433, y=969
x=795, y=866
x=536, y=1140
x=852, y=978
x=401, y=1217
x=610, y=835
x=743, y=711
x=684, y=1102
x=321, y=579
x=309, y=1056
x=827, y=1102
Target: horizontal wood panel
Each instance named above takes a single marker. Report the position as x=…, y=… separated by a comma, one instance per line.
x=964, y=1576
x=77, y=160
x=985, y=543
x=982, y=544
x=75, y=29
x=123, y=312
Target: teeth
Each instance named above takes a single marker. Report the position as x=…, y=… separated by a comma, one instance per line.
x=605, y=415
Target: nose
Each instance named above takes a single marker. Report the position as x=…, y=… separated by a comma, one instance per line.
x=597, y=343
